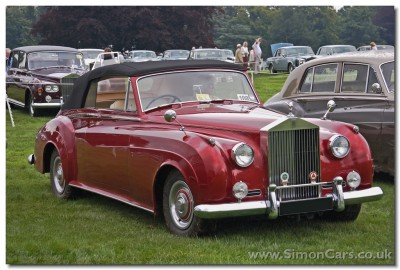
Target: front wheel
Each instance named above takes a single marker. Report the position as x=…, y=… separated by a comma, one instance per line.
x=61, y=189
x=178, y=205
x=32, y=111
x=271, y=69
x=290, y=68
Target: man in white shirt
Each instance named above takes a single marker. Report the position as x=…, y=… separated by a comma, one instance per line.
x=257, y=55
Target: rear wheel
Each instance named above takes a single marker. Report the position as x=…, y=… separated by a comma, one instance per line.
x=61, y=189
x=178, y=205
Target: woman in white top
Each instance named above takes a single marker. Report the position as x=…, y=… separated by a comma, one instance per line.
x=245, y=54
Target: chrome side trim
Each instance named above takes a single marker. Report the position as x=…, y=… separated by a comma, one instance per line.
x=108, y=195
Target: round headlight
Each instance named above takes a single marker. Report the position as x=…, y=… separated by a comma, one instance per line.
x=340, y=146
x=242, y=154
x=51, y=88
x=240, y=190
x=353, y=179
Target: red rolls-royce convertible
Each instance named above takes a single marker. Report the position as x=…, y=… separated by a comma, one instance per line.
x=190, y=140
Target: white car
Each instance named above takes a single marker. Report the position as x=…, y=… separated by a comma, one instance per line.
x=142, y=56
x=107, y=58
x=90, y=55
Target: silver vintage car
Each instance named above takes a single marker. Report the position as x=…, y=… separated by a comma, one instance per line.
x=362, y=85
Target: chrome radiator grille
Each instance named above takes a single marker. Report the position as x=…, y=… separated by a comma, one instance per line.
x=295, y=152
x=67, y=84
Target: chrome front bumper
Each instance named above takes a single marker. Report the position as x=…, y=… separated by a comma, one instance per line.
x=273, y=208
x=47, y=105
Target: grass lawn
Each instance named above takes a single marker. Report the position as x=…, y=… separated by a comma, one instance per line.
x=95, y=230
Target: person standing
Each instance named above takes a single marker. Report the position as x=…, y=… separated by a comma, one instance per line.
x=245, y=54
x=8, y=61
x=373, y=46
x=238, y=54
x=257, y=55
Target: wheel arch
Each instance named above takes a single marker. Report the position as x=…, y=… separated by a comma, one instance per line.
x=160, y=179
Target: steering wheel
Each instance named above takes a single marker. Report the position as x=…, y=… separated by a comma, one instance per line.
x=174, y=98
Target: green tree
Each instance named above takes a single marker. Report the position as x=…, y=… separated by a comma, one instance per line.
x=141, y=27
x=19, y=21
x=357, y=27
x=385, y=18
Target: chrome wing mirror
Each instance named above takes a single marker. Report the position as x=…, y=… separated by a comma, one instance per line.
x=170, y=116
x=376, y=88
x=330, y=108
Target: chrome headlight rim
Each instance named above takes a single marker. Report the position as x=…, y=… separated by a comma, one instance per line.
x=237, y=156
x=334, y=144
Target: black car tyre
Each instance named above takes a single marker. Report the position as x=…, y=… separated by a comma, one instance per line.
x=350, y=213
x=61, y=189
x=290, y=68
x=271, y=69
x=178, y=205
x=32, y=111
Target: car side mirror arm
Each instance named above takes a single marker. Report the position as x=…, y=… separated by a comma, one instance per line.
x=170, y=116
x=331, y=107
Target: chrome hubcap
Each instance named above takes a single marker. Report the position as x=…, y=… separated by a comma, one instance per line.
x=58, y=175
x=181, y=204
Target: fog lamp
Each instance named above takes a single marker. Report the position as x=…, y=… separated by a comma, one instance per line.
x=240, y=190
x=353, y=179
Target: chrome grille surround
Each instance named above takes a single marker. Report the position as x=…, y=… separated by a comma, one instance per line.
x=67, y=84
x=294, y=148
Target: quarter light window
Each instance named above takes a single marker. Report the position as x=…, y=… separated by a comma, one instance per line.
x=320, y=79
x=112, y=93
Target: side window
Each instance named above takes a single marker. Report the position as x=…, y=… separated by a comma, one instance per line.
x=354, y=78
x=111, y=94
x=306, y=86
x=14, y=60
x=22, y=60
x=371, y=80
x=320, y=79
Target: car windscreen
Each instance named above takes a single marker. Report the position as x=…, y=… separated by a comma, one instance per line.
x=344, y=49
x=389, y=75
x=179, y=54
x=144, y=55
x=210, y=54
x=194, y=86
x=44, y=59
x=299, y=51
x=91, y=54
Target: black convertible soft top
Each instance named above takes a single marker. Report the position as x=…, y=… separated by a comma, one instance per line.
x=81, y=85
